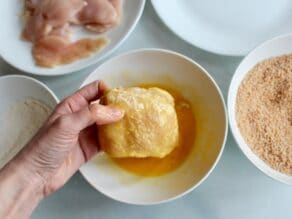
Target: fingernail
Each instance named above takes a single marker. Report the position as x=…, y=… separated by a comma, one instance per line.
x=117, y=112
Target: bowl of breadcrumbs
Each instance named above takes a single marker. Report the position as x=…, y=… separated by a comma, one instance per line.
x=260, y=107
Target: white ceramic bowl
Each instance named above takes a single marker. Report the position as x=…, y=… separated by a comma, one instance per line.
x=183, y=74
x=275, y=47
x=14, y=88
x=18, y=52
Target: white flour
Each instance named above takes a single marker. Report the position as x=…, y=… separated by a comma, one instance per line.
x=18, y=124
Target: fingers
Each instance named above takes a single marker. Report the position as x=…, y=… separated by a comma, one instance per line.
x=89, y=115
x=76, y=157
x=92, y=91
x=80, y=99
x=89, y=142
x=83, y=97
x=105, y=114
x=80, y=119
x=102, y=88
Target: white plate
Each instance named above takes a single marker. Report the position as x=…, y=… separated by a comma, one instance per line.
x=228, y=27
x=18, y=53
x=180, y=73
x=275, y=47
x=14, y=88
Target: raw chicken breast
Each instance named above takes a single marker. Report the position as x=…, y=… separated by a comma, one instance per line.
x=48, y=25
x=51, y=51
x=48, y=15
x=101, y=15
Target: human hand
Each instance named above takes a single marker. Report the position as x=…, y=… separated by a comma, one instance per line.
x=68, y=138
x=62, y=145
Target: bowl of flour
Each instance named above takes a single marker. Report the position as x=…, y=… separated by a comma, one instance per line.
x=25, y=105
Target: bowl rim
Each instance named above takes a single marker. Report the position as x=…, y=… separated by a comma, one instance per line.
x=25, y=77
x=223, y=143
x=232, y=92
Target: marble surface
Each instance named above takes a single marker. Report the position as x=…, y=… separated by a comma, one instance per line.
x=235, y=189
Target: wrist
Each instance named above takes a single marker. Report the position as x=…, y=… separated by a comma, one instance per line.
x=20, y=190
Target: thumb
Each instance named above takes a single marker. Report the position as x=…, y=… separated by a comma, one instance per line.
x=94, y=113
x=105, y=114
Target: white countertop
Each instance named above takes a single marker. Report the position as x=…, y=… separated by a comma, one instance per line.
x=235, y=189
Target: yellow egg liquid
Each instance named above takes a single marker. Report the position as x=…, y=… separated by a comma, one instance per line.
x=151, y=167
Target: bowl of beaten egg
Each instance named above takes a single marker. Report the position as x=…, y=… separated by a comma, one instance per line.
x=202, y=126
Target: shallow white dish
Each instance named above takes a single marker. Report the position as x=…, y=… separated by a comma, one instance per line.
x=180, y=73
x=275, y=47
x=18, y=53
x=14, y=88
x=226, y=27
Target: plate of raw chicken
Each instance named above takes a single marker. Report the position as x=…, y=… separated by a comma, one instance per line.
x=55, y=37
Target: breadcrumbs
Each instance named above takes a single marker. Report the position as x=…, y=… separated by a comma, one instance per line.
x=264, y=111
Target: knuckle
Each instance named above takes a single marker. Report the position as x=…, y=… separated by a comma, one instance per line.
x=96, y=108
x=64, y=101
x=63, y=122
